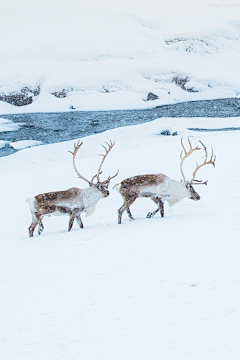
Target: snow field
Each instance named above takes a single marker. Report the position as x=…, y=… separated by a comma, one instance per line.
x=146, y=289
x=109, y=55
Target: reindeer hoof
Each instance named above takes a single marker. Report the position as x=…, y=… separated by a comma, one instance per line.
x=149, y=215
x=40, y=231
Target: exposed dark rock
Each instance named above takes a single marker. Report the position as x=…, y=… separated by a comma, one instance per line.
x=105, y=90
x=21, y=98
x=24, y=97
x=151, y=96
x=94, y=123
x=62, y=93
x=167, y=132
x=36, y=90
x=181, y=82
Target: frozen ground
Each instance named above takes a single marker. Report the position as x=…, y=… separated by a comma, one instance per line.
x=147, y=289
x=108, y=55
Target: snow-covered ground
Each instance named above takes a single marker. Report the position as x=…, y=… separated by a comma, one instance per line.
x=159, y=289
x=155, y=288
x=110, y=55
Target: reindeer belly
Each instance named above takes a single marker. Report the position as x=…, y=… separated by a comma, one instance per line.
x=62, y=210
x=56, y=209
x=153, y=191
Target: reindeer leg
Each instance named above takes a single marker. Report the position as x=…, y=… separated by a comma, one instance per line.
x=32, y=228
x=160, y=207
x=151, y=214
x=66, y=210
x=36, y=220
x=78, y=217
x=128, y=201
x=79, y=221
x=71, y=221
x=40, y=227
x=75, y=214
x=130, y=214
x=33, y=225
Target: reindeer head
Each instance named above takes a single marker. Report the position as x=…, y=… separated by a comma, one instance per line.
x=193, y=195
x=189, y=184
x=101, y=186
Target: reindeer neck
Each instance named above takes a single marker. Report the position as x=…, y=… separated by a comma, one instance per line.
x=177, y=192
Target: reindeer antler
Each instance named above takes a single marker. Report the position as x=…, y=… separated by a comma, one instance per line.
x=209, y=162
x=106, y=182
x=107, y=149
x=187, y=153
x=74, y=153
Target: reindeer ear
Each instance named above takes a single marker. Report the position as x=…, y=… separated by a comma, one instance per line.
x=187, y=184
x=99, y=186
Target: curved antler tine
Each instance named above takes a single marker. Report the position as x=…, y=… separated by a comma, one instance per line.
x=205, y=149
x=212, y=160
x=186, y=154
x=182, y=160
x=190, y=144
x=209, y=162
x=74, y=153
x=191, y=148
x=95, y=176
x=211, y=153
x=107, y=149
x=76, y=147
x=112, y=177
x=104, y=148
x=106, y=182
x=183, y=147
x=199, y=182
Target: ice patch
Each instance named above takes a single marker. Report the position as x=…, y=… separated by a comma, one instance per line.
x=2, y=144
x=24, y=144
x=8, y=125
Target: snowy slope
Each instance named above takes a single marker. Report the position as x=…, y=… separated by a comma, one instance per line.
x=146, y=289
x=110, y=55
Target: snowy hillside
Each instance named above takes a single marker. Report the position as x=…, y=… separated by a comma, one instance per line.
x=146, y=289
x=62, y=55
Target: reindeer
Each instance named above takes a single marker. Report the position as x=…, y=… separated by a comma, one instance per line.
x=71, y=202
x=160, y=188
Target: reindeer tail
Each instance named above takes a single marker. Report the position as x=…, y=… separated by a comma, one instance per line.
x=117, y=187
x=30, y=202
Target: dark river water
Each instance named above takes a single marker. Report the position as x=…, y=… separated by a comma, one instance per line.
x=56, y=127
